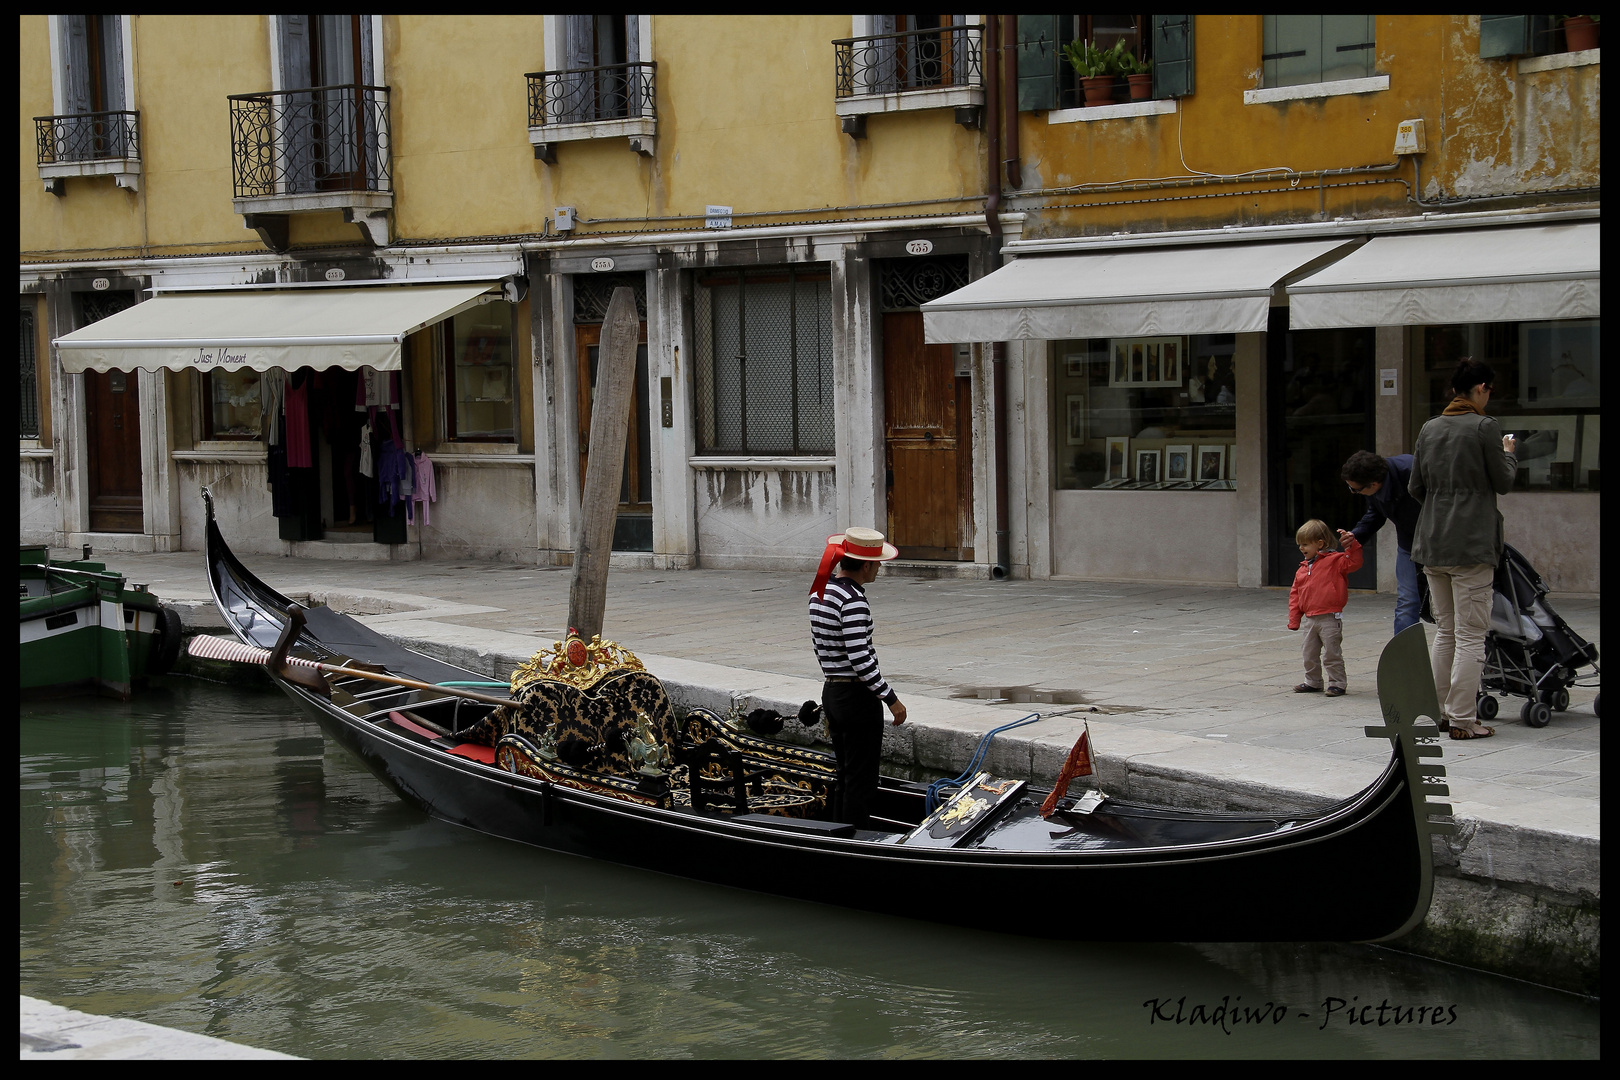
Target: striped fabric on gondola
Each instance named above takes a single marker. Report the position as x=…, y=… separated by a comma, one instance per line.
x=215, y=648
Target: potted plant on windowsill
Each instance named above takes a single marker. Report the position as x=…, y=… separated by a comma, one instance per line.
x=1580, y=32
x=1096, y=69
x=1139, y=74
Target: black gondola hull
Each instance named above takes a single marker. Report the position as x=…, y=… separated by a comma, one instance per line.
x=1360, y=870
x=1355, y=884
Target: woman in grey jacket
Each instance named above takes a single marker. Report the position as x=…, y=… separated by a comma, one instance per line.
x=1460, y=464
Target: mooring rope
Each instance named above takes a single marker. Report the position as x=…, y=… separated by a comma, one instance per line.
x=938, y=786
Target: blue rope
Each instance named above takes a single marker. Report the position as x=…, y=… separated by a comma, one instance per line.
x=937, y=787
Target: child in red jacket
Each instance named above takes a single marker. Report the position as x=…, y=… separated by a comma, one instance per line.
x=1317, y=600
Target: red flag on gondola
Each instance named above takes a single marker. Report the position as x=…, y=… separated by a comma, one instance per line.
x=1078, y=764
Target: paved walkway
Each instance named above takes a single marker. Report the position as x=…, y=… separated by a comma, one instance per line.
x=51, y=1032
x=1198, y=675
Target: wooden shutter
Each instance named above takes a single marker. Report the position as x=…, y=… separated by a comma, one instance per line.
x=76, y=61
x=1172, y=56
x=1038, y=60
x=295, y=52
x=112, y=45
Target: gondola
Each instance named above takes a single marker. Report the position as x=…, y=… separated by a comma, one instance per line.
x=699, y=796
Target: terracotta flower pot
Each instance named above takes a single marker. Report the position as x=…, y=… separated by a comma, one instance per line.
x=1099, y=90
x=1580, y=33
x=1141, y=87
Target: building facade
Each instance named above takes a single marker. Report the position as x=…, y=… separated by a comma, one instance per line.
x=892, y=270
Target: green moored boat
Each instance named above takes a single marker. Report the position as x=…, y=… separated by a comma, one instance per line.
x=82, y=627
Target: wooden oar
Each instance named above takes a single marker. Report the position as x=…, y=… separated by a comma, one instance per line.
x=216, y=648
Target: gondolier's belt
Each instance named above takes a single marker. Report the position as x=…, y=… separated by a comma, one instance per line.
x=841, y=678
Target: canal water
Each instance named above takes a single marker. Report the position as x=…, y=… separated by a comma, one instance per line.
x=200, y=858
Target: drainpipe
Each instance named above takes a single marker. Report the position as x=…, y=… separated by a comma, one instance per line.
x=1009, y=99
x=998, y=350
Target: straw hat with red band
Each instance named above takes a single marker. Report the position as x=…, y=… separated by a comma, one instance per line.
x=857, y=543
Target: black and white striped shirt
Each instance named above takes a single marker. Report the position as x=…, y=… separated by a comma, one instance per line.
x=841, y=628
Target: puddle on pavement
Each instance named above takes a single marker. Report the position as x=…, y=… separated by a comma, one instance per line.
x=1035, y=695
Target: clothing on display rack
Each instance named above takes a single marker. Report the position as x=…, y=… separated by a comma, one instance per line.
x=379, y=390
x=272, y=401
x=395, y=477
x=423, y=488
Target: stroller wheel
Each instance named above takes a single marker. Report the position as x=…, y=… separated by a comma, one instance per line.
x=1485, y=707
x=1536, y=714
x=1557, y=699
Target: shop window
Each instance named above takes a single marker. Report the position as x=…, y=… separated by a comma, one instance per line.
x=27, y=363
x=1301, y=49
x=765, y=359
x=1546, y=392
x=232, y=405
x=1140, y=414
x=479, y=374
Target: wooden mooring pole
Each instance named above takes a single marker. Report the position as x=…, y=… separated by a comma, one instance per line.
x=604, y=468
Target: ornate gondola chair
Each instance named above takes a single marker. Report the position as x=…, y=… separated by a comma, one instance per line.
x=590, y=716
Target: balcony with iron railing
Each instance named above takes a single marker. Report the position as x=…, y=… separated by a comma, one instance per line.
x=89, y=144
x=933, y=68
x=610, y=101
x=322, y=148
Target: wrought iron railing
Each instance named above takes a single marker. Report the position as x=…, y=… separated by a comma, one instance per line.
x=92, y=136
x=324, y=138
x=945, y=56
x=610, y=92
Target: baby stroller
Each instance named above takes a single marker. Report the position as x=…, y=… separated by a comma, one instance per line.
x=1531, y=652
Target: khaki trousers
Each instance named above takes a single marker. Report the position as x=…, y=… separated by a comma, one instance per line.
x=1460, y=597
x=1323, y=648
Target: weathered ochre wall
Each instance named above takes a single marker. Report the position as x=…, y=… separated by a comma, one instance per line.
x=746, y=118
x=184, y=68
x=1489, y=130
x=462, y=161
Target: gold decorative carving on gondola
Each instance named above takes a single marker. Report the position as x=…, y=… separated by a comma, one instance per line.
x=576, y=663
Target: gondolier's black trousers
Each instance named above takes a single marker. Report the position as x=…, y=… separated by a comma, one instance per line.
x=855, y=723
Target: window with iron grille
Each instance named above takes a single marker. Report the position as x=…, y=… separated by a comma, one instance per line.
x=765, y=362
x=28, y=396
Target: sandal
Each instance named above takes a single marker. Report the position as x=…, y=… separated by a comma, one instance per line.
x=1307, y=688
x=1460, y=732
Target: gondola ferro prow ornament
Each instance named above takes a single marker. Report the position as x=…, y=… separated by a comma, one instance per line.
x=1411, y=708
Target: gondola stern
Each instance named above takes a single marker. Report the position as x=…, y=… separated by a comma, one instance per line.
x=1411, y=711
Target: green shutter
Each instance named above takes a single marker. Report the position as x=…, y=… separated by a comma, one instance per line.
x=1038, y=60
x=1172, y=56
x=1504, y=35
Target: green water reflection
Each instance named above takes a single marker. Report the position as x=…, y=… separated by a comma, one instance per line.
x=201, y=859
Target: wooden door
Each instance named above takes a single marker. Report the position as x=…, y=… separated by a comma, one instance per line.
x=113, y=423
x=633, y=531
x=927, y=443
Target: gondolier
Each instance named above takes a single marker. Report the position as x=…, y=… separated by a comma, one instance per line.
x=853, y=696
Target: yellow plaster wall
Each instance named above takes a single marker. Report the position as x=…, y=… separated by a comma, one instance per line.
x=184, y=67
x=746, y=118
x=1489, y=131
x=463, y=165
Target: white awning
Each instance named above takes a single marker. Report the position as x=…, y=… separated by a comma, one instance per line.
x=1213, y=289
x=1479, y=275
x=263, y=329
